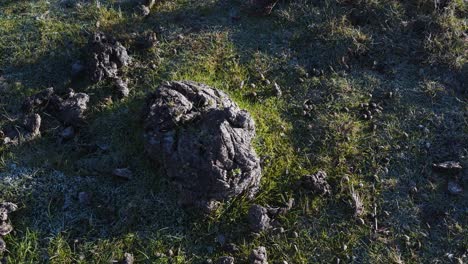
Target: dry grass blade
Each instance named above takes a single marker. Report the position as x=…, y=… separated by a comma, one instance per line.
x=357, y=203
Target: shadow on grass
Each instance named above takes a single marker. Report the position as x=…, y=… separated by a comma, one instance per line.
x=285, y=50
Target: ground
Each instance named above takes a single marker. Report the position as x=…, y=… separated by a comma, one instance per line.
x=334, y=56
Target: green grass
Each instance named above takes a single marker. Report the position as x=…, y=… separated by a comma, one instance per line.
x=316, y=51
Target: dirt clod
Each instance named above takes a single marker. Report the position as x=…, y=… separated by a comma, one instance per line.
x=32, y=124
x=122, y=87
x=28, y=130
x=317, y=183
x=225, y=260
x=203, y=140
x=5, y=228
x=5, y=209
x=128, y=259
x=258, y=256
x=143, y=10
x=146, y=40
x=69, y=109
x=107, y=57
x=39, y=100
x=258, y=218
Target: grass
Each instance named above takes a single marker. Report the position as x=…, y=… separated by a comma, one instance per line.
x=407, y=56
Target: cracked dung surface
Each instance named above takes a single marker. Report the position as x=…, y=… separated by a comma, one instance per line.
x=203, y=140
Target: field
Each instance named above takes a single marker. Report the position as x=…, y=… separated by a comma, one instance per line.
x=373, y=93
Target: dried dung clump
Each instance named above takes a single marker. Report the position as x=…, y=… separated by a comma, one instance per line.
x=259, y=256
x=258, y=218
x=68, y=109
x=5, y=227
x=317, y=183
x=27, y=130
x=203, y=140
x=108, y=56
x=263, y=218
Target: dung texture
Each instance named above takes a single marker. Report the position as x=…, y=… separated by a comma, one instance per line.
x=108, y=56
x=203, y=140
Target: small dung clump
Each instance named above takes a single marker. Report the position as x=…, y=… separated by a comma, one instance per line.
x=225, y=260
x=204, y=142
x=28, y=130
x=258, y=256
x=263, y=218
x=108, y=56
x=5, y=227
x=317, y=183
x=68, y=109
x=128, y=259
x=258, y=218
